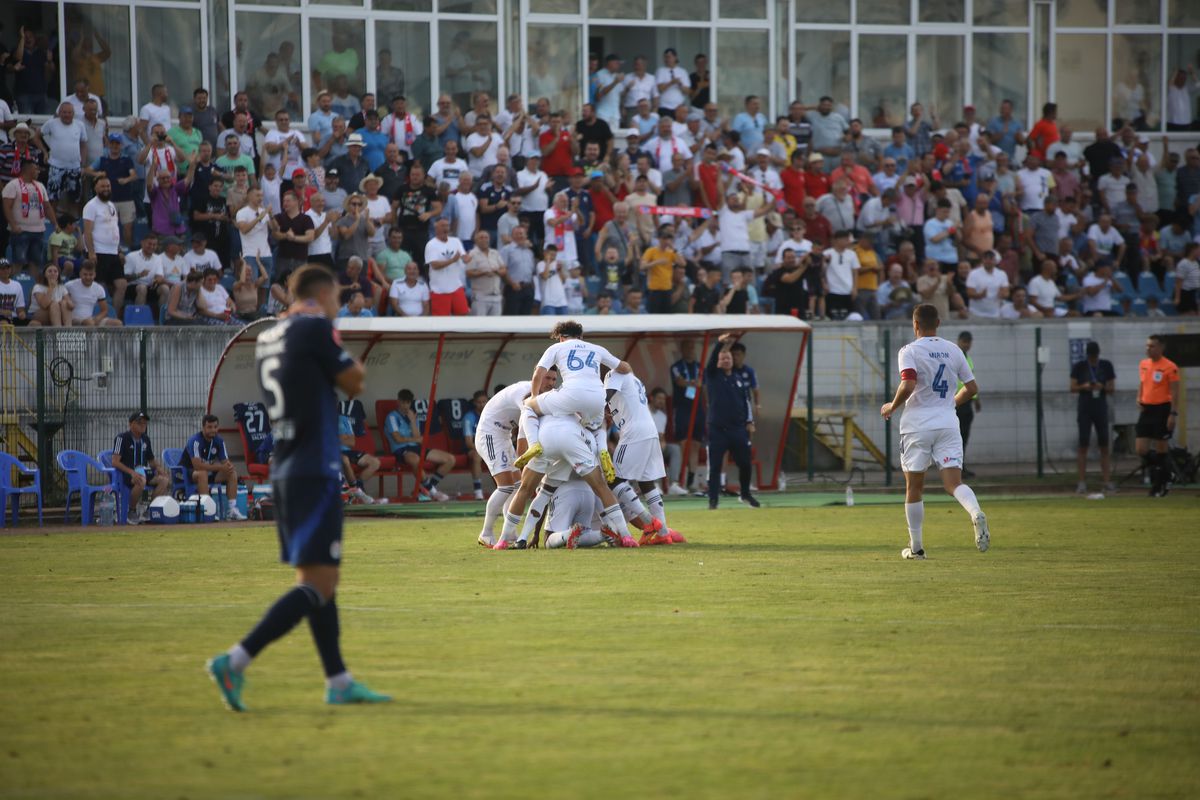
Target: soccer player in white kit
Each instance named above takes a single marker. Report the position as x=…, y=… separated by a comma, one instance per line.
x=638, y=457
x=574, y=516
x=930, y=367
x=494, y=444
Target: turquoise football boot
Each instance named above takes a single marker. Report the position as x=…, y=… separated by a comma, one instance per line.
x=228, y=681
x=354, y=693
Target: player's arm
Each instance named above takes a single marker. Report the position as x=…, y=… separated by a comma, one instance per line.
x=968, y=391
x=352, y=377
x=907, y=386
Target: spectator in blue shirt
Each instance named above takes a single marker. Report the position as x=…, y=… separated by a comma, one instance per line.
x=750, y=124
x=206, y=458
x=320, y=122
x=368, y=463
x=899, y=149
x=940, y=238
x=356, y=306
x=1006, y=131
x=470, y=424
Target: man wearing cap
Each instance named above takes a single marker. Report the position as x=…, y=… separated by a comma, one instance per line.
x=122, y=175
x=27, y=209
x=13, y=309
x=606, y=90
x=352, y=167
x=66, y=139
x=186, y=136
x=133, y=457
x=335, y=195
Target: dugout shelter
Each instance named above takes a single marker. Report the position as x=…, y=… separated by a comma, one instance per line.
x=439, y=358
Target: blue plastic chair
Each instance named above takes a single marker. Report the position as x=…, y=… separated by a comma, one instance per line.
x=11, y=490
x=138, y=315
x=1147, y=287
x=119, y=488
x=181, y=481
x=75, y=465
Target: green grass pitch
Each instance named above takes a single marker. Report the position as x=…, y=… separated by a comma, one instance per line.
x=787, y=652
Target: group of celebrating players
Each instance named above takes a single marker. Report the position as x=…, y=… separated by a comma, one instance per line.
x=301, y=366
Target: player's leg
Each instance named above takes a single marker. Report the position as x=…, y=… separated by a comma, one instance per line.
x=507, y=484
x=718, y=445
x=652, y=497
x=537, y=510
x=634, y=509
x=915, y=458
x=476, y=465
x=1081, y=452
x=370, y=467
x=200, y=478
x=530, y=479
x=228, y=476
x=742, y=456
x=612, y=516
x=137, y=485
x=947, y=453
x=442, y=462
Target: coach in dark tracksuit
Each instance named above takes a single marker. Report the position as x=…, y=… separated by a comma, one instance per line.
x=730, y=422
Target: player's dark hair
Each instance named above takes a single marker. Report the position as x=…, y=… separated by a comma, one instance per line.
x=405, y=396
x=1158, y=337
x=737, y=347
x=656, y=391
x=926, y=316
x=478, y=393
x=499, y=387
x=207, y=418
x=308, y=280
x=965, y=336
x=570, y=329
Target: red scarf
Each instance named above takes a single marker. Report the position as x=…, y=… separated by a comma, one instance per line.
x=676, y=211
x=168, y=158
x=561, y=226
x=18, y=157
x=409, y=135
x=25, y=204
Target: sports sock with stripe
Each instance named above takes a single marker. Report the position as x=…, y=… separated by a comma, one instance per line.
x=966, y=498
x=294, y=605
x=631, y=504
x=915, y=514
x=511, y=521
x=536, y=509
x=615, y=520
x=494, y=508
x=656, y=507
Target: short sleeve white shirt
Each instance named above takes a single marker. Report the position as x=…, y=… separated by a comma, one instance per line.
x=840, y=269
x=411, y=299
x=630, y=411
x=106, y=228
x=734, y=227
x=321, y=244
x=156, y=115
x=674, y=95
x=136, y=263
x=578, y=362
x=937, y=366
x=448, y=279
x=63, y=141
x=491, y=143
x=256, y=241
x=1043, y=292
x=537, y=200
x=990, y=284
x=85, y=298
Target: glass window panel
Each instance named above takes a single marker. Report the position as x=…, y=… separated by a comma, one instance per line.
x=337, y=61
x=468, y=60
x=1081, y=13
x=1137, y=75
x=269, y=70
x=554, y=6
x=681, y=9
x=819, y=11
x=467, y=6
x=1136, y=12
x=822, y=66
x=883, y=12
x=941, y=10
x=219, y=96
x=618, y=9
x=403, y=5
x=1079, y=79
x=745, y=49
x=1041, y=56
x=1182, y=50
x=882, y=66
x=1001, y=12
x=940, y=76
x=402, y=64
x=98, y=49
x=553, y=59
x=169, y=53
x=336, y=3
x=1185, y=13
x=1000, y=68
x=743, y=9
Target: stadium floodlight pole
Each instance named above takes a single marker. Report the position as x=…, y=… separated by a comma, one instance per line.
x=687, y=443
x=887, y=392
x=1037, y=360
x=429, y=412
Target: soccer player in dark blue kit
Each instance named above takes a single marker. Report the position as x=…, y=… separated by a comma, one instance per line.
x=730, y=421
x=300, y=363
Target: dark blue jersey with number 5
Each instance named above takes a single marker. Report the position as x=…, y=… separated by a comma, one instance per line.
x=298, y=362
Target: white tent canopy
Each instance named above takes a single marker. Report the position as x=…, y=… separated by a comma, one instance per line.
x=452, y=357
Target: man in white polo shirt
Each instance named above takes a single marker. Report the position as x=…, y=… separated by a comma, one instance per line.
x=447, y=273
x=409, y=296
x=987, y=287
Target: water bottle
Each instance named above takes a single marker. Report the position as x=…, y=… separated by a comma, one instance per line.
x=106, y=510
x=849, y=496
x=782, y=481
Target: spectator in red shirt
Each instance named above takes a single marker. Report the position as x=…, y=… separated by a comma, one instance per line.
x=857, y=176
x=794, y=181
x=816, y=227
x=1044, y=132
x=816, y=182
x=707, y=176
x=559, y=148
x=603, y=199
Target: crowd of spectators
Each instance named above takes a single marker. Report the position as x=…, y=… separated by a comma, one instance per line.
x=646, y=200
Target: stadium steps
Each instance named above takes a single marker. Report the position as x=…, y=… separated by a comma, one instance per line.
x=840, y=434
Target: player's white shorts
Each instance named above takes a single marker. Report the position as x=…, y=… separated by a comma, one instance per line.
x=639, y=461
x=942, y=447
x=497, y=452
x=574, y=503
x=567, y=449
x=566, y=401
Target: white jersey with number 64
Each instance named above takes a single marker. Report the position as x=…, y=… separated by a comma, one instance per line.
x=937, y=366
x=578, y=362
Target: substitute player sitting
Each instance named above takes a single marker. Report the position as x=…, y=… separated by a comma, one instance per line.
x=929, y=431
x=404, y=436
x=638, y=458
x=299, y=362
x=581, y=392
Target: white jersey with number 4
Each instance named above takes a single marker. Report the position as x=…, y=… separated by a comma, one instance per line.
x=937, y=366
x=578, y=362
x=630, y=411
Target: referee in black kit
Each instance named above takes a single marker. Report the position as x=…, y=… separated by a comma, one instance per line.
x=730, y=422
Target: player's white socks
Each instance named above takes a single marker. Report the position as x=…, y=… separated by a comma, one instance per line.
x=341, y=681
x=509, y=532
x=536, y=509
x=239, y=659
x=631, y=503
x=915, y=514
x=658, y=510
x=589, y=538
x=966, y=498
x=495, y=507
x=533, y=425
x=614, y=518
